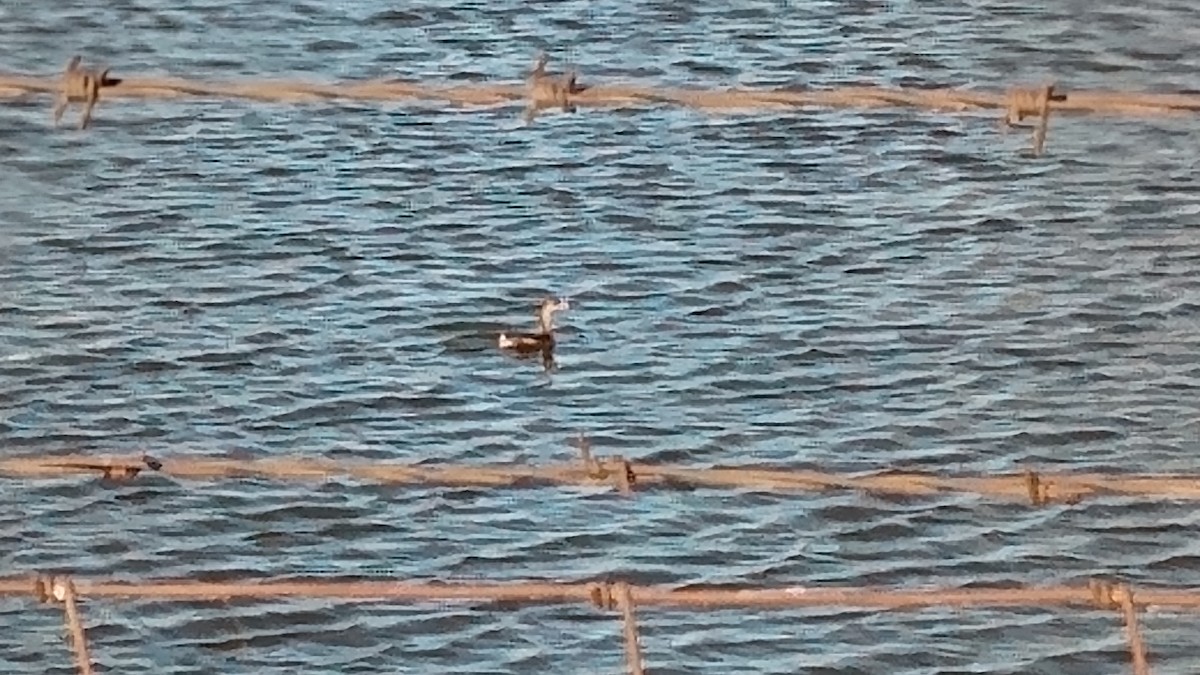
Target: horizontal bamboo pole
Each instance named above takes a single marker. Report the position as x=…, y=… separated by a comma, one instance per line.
x=1097, y=595
x=1037, y=488
x=608, y=595
x=618, y=95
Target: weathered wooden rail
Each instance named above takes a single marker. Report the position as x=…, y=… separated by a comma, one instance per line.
x=627, y=477
x=541, y=91
x=1098, y=594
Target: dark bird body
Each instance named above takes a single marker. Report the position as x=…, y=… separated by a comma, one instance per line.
x=542, y=339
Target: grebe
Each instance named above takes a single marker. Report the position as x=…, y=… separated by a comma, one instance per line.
x=541, y=340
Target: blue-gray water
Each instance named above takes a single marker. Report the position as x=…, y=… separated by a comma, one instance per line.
x=844, y=289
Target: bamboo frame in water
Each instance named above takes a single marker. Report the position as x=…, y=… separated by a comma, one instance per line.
x=620, y=95
x=1098, y=594
x=627, y=477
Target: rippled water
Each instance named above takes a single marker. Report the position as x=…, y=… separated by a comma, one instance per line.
x=843, y=289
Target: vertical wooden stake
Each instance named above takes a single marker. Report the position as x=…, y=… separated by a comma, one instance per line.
x=633, y=651
x=623, y=478
x=1039, y=134
x=590, y=467
x=66, y=588
x=1037, y=491
x=1123, y=596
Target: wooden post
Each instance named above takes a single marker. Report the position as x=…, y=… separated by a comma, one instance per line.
x=63, y=590
x=591, y=468
x=1039, y=134
x=623, y=476
x=1123, y=597
x=633, y=650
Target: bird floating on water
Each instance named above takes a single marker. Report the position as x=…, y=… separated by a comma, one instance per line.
x=542, y=340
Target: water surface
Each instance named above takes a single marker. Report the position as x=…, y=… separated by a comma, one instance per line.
x=851, y=290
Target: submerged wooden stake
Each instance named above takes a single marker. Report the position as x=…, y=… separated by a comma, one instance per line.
x=1118, y=596
x=591, y=467
x=1020, y=103
x=623, y=476
x=83, y=85
x=1039, y=134
x=66, y=589
x=633, y=650
x=546, y=90
x=1123, y=596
